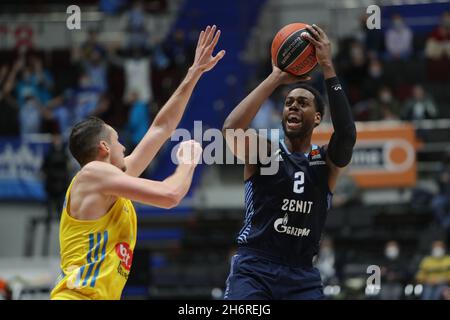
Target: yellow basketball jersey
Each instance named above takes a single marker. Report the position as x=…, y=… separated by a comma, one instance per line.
x=96, y=255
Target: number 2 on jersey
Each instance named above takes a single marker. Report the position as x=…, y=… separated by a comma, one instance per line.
x=299, y=181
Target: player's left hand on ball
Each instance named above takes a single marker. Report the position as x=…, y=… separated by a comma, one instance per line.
x=286, y=77
x=190, y=152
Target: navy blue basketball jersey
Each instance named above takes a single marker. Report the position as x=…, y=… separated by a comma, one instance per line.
x=286, y=212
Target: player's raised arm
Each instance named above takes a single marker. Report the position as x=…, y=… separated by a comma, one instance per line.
x=246, y=110
x=340, y=147
x=110, y=180
x=170, y=115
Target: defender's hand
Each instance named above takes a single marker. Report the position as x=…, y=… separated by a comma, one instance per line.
x=207, y=41
x=190, y=152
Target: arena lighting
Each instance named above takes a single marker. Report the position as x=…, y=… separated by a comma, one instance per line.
x=418, y=289
x=332, y=290
x=328, y=290
x=216, y=293
x=409, y=289
x=336, y=290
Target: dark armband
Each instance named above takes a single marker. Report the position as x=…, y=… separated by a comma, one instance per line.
x=340, y=147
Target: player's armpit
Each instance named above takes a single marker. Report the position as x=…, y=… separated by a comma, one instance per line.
x=247, y=145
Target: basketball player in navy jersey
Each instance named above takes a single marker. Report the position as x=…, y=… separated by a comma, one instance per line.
x=286, y=212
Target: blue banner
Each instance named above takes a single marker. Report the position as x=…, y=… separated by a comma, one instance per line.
x=20, y=168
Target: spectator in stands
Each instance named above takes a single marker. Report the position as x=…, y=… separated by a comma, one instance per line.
x=96, y=67
x=326, y=261
x=56, y=175
x=79, y=103
x=386, y=106
x=441, y=201
x=91, y=58
x=374, y=79
x=90, y=45
x=136, y=28
x=112, y=6
x=42, y=78
x=399, y=39
x=358, y=64
x=30, y=115
x=55, y=169
x=372, y=39
x=178, y=43
x=393, y=272
x=138, y=120
x=25, y=87
x=9, y=108
x=437, y=50
x=137, y=68
x=420, y=106
x=160, y=57
x=433, y=272
x=138, y=75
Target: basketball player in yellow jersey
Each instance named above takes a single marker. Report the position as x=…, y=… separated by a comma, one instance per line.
x=98, y=222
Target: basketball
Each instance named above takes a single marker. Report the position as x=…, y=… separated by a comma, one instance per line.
x=290, y=52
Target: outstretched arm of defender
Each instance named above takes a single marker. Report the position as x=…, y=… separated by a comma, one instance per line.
x=109, y=180
x=340, y=147
x=170, y=115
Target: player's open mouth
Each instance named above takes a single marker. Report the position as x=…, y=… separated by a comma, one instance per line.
x=293, y=121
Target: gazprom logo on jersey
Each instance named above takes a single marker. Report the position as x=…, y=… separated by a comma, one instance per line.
x=280, y=225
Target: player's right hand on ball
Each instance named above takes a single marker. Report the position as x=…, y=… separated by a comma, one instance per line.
x=189, y=152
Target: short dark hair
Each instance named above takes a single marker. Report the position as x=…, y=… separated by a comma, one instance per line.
x=85, y=137
x=318, y=100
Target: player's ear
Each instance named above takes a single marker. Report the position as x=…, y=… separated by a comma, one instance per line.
x=317, y=119
x=104, y=148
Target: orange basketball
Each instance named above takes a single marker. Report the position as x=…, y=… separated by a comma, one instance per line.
x=290, y=52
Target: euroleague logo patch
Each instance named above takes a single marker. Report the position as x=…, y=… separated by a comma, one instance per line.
x=125, y=254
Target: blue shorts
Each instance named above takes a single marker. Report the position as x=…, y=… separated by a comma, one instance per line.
x=254, y=277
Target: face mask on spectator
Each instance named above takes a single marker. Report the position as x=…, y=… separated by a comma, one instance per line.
x=391, y=252
x=326, y=251
x=438, y=252
x=398, y=23
x=385, y=97
x=356, y=53
x=375, y=71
